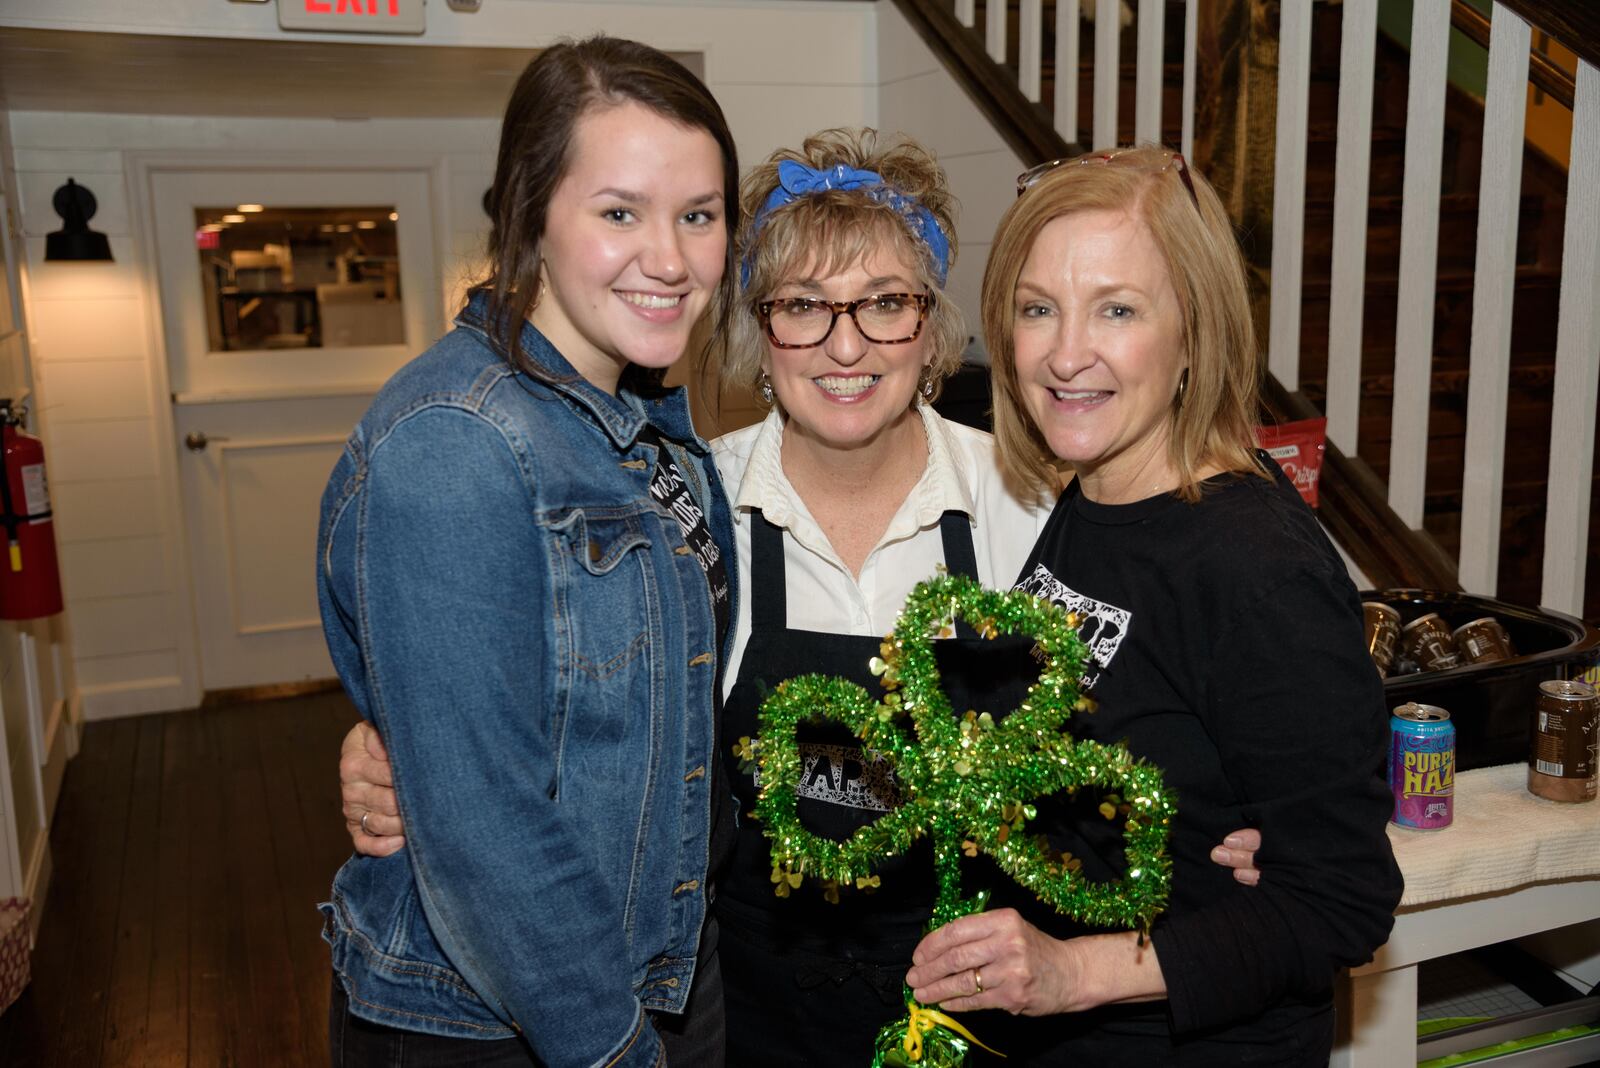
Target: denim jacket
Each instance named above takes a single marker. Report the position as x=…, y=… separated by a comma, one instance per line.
x=534, y=640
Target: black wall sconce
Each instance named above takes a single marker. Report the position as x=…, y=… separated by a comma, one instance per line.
x=75, y=241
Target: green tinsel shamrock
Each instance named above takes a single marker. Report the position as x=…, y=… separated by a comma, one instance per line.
x=969, y=779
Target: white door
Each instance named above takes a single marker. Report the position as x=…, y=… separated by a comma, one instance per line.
x=259, y=427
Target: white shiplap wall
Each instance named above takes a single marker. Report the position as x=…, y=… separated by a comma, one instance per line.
x=96, y=328
x=37, y=721
x=97, y=346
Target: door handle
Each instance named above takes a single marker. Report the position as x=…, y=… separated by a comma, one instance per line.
x=196, y=440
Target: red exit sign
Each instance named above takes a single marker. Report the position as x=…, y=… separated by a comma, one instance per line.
x=352, y=16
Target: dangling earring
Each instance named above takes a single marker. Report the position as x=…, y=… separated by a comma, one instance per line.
x=764, y=389
x=1183, y=387
x=925, y=384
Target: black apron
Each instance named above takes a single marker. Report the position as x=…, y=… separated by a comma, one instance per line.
x=808, y=982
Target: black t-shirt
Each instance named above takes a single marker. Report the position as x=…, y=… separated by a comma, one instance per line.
x=668, y=487
x=1228, y=650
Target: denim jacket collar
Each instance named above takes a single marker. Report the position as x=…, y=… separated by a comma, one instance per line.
x=621, y=416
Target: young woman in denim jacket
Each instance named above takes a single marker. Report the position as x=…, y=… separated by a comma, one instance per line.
x=851, y=491
x=523, y=587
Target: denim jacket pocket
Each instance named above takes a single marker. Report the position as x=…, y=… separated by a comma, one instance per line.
x=607, y=619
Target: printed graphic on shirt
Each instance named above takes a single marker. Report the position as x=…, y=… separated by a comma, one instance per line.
x=845, y=775
x=1104, y=625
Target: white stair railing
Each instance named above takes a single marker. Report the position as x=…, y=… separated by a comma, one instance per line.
x=1577, y=367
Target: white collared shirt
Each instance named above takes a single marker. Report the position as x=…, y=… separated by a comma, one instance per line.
x=962, y=475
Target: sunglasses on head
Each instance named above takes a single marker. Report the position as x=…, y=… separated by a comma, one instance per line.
x=1030, y=177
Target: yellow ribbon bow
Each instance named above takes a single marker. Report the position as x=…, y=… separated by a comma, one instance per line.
x=923, y=1020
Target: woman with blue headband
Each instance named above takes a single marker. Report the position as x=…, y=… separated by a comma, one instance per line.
x=851, y=491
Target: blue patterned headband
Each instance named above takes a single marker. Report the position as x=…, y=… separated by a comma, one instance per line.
x=796, y=180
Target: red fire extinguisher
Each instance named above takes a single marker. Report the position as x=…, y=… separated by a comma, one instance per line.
x=30, y=580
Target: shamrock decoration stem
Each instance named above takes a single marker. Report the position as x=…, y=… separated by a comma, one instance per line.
x=968, y=782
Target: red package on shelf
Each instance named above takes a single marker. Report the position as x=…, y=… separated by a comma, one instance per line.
x=1298, y=448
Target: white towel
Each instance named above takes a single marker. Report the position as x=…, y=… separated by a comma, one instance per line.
x=1500, y=837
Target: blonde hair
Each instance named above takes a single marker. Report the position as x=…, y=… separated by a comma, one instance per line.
x=828, y=232
x=1213, y=416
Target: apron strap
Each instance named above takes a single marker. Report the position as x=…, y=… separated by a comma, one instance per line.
x=769, y=602
x=955, y=530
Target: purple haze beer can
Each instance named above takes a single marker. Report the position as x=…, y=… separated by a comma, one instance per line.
x=1422, y=766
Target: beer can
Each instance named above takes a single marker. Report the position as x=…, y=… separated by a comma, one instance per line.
x=1383, y=634
x=1484, y=641
x=1428, y=640
x=1561, y=765
x=1422, y=766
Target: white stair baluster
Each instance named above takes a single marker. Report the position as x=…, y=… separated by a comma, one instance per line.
x=1347, y=292
x=1289, y=192
x=1493, y=287
x=1566, y=523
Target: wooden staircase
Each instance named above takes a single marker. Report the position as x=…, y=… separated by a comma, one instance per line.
x=1538, y=272
x=1354, y=504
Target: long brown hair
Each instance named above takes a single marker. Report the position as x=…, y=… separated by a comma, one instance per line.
x=1213, y=416
x=555, y=91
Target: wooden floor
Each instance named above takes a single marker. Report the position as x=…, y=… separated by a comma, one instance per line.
x=181, y=927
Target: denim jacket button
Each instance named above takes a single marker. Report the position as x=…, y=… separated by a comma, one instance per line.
x=594, y=553
x=683, y=888
x=703, y=658
x=695, y=774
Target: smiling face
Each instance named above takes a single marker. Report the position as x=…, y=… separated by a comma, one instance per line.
x=849, y=392
x=634, y=242
x=1098, y=333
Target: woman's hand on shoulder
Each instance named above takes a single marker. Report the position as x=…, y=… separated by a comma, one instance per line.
x=1238, y=851
x=366, y=784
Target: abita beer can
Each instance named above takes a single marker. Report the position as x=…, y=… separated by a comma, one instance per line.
x=1422, y=766
x=1429, y=641
x=1383, y=634
x=1561, y=766
x=1484, y=641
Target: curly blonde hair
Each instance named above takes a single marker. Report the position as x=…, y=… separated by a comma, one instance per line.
x=827, y=232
